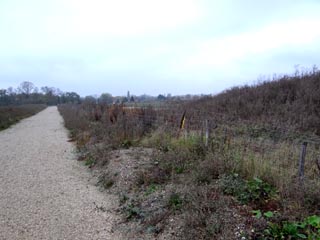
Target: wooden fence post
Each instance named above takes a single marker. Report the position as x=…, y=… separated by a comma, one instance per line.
x=302, y=161
x=124, y=124
x=318, y=164
x=207, y=132
x=202, y=130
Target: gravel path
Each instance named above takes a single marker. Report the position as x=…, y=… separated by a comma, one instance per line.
x=44, y=192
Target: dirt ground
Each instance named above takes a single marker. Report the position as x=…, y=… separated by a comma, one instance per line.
x=120, y=174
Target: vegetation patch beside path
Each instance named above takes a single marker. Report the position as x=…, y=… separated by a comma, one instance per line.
x=179, y=178
x=12, y=114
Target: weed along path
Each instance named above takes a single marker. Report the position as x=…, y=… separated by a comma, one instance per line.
x=44, y=192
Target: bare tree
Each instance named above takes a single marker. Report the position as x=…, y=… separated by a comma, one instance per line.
x=47, y=90
x=26, y=88
x=2, y=92
x=10, y=91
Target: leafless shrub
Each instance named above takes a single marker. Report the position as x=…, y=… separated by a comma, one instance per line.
x=208, y=215
x=13, y=114
x=257, y=136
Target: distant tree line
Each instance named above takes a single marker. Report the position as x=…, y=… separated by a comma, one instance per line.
x=28, y=93
x=107, y=98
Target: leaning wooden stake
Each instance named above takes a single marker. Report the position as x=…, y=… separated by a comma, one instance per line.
x=182, y=123
x=318, y=164
x=302, y=161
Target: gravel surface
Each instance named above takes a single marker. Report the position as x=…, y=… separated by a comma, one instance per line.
x=44, y=192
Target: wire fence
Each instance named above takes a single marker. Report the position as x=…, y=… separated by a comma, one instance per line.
x=260, y=149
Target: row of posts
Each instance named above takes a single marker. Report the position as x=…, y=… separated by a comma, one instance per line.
x=302, y=157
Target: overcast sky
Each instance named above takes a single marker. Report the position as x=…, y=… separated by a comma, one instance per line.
x=154, y=46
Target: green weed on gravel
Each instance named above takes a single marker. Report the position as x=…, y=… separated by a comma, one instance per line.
x=254, y=190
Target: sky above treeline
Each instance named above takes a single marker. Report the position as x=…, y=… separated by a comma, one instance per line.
x=152, y=46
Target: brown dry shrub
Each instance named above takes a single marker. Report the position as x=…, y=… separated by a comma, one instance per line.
x=149, y=176
x=208, y=214
x=301, y=199
x=74, y=118
x=13, y=114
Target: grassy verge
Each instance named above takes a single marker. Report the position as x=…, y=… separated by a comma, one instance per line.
x=240, y=186
x=257, y=173
x=12, y=114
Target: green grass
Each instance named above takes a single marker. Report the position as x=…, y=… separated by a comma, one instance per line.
x=90, y=161
x=175, y=201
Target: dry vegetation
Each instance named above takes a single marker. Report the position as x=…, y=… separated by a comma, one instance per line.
x=243, y=184
x=291, y=103
x=12, y=114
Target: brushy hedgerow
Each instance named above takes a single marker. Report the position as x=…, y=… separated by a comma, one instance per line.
x=249, y=167
x=12, y=114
